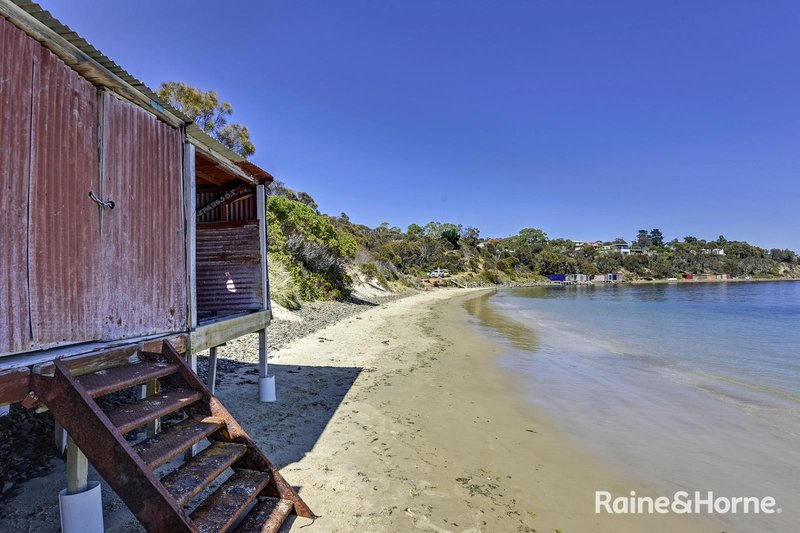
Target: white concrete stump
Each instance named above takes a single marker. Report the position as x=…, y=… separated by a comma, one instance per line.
x=266, y=389
x=82, y=512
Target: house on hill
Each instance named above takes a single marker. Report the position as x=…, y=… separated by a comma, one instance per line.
x=131, y=241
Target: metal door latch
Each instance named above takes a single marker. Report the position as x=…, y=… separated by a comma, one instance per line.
x=105, y=204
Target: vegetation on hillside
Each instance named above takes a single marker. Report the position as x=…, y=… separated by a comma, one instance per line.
x=312, y=255
x=308, y=246
x=317, y=249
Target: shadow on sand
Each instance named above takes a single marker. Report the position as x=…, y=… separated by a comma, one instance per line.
x=287, y=429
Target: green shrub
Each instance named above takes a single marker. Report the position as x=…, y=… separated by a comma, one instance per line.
x=283, y=288
x=491, y=276
x=311, y=248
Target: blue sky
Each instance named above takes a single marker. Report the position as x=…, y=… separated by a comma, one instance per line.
x=587, y=119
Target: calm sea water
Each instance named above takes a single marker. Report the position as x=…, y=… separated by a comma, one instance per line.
x=682, y=386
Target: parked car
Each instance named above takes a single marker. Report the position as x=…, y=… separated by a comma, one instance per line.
x=439, y=273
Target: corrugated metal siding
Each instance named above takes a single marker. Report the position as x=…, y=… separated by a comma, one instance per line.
x=65, y=281
x=143, y=236
x=238, y=210
x=244, y=209
x=84, y=46
x=16, y=73
x=204, y=199
x=228, y=267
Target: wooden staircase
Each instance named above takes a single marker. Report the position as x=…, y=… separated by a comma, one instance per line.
x=255, y=498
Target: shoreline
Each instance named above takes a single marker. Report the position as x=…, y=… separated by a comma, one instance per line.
x=667, y=426
x=399, y=418
x=430, y=433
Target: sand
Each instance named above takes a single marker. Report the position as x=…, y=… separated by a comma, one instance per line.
x=399, y=419
x=413, y=426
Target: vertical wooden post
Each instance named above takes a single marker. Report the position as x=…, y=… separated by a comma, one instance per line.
x=60, y=435
x=212, y=368
x=190, y=203
x=191, y=358
x=148, y=389
x=262, y=353
x=266, y=383
x=77, y=469
x=154, y=426
x=261, y=209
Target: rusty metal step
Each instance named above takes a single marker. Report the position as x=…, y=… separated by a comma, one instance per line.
x=186, y=481
x=150, y=356
x=173, y=441
x=221, y=510
x=266, y=516
x=131, y=416
x=121, y=377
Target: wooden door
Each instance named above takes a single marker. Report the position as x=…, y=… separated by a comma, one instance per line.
x=143, y=236
x=67, y=291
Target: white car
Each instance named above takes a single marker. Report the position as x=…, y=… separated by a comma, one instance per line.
x=439, y=273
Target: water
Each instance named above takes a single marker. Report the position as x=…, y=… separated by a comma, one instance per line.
x=681, y=386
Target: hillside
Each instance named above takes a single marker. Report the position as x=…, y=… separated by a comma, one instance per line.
x=316, y=256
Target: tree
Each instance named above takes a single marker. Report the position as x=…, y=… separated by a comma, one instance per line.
x=451, y=236
x=415, y=230
x=785, y=256
x=209, y=114
x=533, y=236
x=471, y=236
x=307, y=199
x=279, y=188
x=656, y=237
x=237, y=138
x=689, y=239
x=643, y=239
x=550, y=262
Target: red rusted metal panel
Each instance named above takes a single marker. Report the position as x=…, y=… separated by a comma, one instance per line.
x=244, y=209
x=228, y=268
x=64, y=262
x=143, y=236
x=236, y=210
x=205, y=198
x=16, y=81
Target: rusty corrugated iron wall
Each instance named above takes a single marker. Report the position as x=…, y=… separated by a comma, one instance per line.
x=71, y=272
x=16, y=74
x=228, y=268
x=244, y=209
x=238, y=210
x=66, y=275
x=143, y=236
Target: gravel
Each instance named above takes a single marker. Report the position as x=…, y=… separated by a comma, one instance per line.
x=318, y=315
x=314, y=316
x=26, y=448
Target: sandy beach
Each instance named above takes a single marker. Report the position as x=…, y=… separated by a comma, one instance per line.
x=399, y=419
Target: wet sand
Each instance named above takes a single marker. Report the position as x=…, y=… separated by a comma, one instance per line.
x=433, y=435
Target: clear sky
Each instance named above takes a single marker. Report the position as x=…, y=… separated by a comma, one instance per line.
x=587, y=119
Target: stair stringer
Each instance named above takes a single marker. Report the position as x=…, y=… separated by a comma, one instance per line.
x=254, y=458
x=108, y=451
